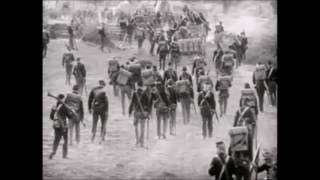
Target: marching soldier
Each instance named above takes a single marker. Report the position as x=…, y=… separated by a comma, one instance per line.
x=98, y=105
x=163, y=51
x=74, y=101
x=186, y=99
x=222, y=166
x=172, y=97
x=79, y=73
x=207, y=105
x=170, y=74
x=152, y=37
x=59, y=115
x=185, y=75
x=125, y=90
x=259, y=80
x=253, y=103
x=217, y=58
x=140, y=104
x=244, y=45
x=272, y=82
x=140, y=36
x=45, y=41
x=161, y=104
x=68, y=62
x=113, y=71
x=198, y=66
x=174, y=50
x=157, y=75
x=245, y=116
x=269, y=166
x=223, y=96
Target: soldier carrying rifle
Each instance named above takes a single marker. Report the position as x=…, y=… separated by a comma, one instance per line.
x=207, y=105
x=140, y=104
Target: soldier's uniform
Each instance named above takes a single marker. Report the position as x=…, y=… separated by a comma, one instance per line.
x=113, y=74
x=186, y=99
x=175, y=54
x=163, y=52
x=125, y=90
x=74, y=101
x=198, y=67
x=172, y=97
x=245, y=116
x=223, y=98
x=207, y=105
x=260, y=86
x=79, y=73
x=272, y=84
x=140, y=98
x=98, y=104
x=170, y=74
x=161, y=104
x=45, y=42
x=67, y=62
x=222, y=166
x=217, y=59
x=59, y=114
x=140, y=36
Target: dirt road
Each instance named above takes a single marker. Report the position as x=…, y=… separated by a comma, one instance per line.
x=185, y=156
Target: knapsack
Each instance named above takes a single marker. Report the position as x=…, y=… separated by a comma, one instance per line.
x=200, y=63
x=123, y=76
x=260, y=73
x=68, y=58
x=224, y=82
x=147, y=77
x=174, y=48
x=139, y=33
x=73, y=101
x=249, y=94
x=113, y=65
x=203, y=80
x=183, y=88
x=228, y=60
x=162, y=46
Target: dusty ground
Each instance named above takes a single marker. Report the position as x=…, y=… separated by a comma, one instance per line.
x=185, y=156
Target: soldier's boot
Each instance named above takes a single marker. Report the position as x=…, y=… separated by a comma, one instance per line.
x=225, y=107
x=137, y=135
x=93, y=137
x=51, y=155
x=221, y=109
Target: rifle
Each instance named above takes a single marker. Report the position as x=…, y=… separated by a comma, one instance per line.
x=255, y=157
x=68, y=107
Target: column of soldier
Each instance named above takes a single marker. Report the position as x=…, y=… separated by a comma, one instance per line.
x=149, y=92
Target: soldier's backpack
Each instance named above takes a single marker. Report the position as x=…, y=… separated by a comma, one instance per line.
x=205, y=79
x=174, y=48
x=162, y=46
x=225, y=82
x=113, y=65
x=228, y=60
x=144, y=63
x=239, y=138
x=123, y=76
x=148, y=77
x=260, y=73
x=135, y=69
x=249, y=94
x=183, y=88
x=73, y=101
x=139, y=33
x=68, y=58
x=200, y=62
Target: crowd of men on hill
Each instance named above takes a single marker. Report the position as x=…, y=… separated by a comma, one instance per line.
x=150, y=92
